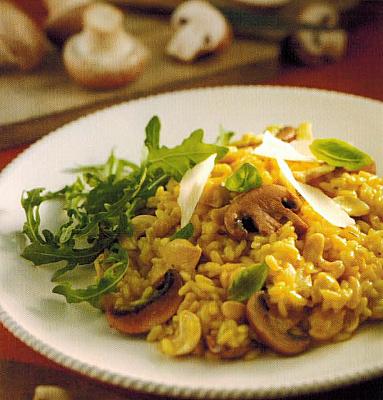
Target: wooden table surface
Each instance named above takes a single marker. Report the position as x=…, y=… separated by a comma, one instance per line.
x=360, y=73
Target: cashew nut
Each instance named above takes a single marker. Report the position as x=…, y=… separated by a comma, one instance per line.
x=187, y=338
x=49, y=392
x=352, y=205
x=181, y=254
x=313, y=251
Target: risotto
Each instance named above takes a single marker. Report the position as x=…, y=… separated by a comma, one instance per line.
x=256, y=267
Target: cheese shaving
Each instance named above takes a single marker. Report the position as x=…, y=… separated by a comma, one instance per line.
x=191, y=187
x=275, y=148
x=325, y=206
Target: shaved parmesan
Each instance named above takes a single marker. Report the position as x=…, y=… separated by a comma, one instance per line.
x=275, y=148
x=325, y=206
x=303, y=147
x=191, y=187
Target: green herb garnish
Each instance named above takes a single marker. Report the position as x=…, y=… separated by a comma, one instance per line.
x=248, y=281
x=185, y=233
x=99, y=207
x=245, y=178
x=118, y=258
x=340, y=154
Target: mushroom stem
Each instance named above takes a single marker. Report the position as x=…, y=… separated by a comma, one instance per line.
x=104, y=28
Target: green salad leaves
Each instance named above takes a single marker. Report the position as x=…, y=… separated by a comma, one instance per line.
x=99, y=206
x=248, y=281
x=245, y=178
x=340, y=154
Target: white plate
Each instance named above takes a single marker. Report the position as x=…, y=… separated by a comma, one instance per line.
x=78, y=336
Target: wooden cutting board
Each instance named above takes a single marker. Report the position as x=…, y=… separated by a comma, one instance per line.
x=33, y=104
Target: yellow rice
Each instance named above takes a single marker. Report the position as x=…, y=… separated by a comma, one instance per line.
x=332, y=280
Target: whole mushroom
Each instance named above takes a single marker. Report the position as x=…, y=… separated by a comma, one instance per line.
x=65, y=18
x=104, y=55
x=22, y=43
x=313, y=47
x=199, y=29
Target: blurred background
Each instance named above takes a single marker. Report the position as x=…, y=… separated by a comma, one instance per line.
x=334, y=44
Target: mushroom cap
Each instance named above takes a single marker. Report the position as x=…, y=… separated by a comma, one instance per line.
x=160, y=307
x=268, y=328
x=316, y=47
x=199, y=29
x=104, y=55
x=65, y=18
x=22, y=43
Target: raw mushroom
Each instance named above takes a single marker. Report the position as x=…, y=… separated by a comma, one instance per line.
x=263, y=210
x=314, y=47
x=269, y=328
x=22, y=43
x=104, y=55
x=157, y=309
x=264, y=4
x=199, y=29
x=64, y=18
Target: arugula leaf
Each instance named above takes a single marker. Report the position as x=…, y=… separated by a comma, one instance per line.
x=31, y=201
x=177, y=160
x=185, y=233
x=152, y=130
x=224, y=137
x=248, y=281
x=113, y=166
x=245, y=178
x=106, y=284
x=44, y=253
x=340, y=154
x=100, y=205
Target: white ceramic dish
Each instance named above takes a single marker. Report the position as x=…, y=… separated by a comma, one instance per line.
x=78, y=337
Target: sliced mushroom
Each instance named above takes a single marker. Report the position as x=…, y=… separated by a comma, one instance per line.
x=370, y=168
x=263, y=210
x=223, y=351
x=104, y=55
x=269, y=329
x=199, y=29
x=287, y=134
x=141, y=316
x=181, y=254
x=22, y=43
x=64, y=18
x=314, y=47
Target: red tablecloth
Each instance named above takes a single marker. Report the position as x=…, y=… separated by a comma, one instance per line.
x=361, y=73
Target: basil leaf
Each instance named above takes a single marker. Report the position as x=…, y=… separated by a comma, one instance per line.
x=340, y=154
x=106, y=284
x=248, y=281
x=152, y=130
x=185, y=233
x=224, y=137
x=245, y=178
x=177, y=160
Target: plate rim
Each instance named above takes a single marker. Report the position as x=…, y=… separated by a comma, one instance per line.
x=177, y=390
